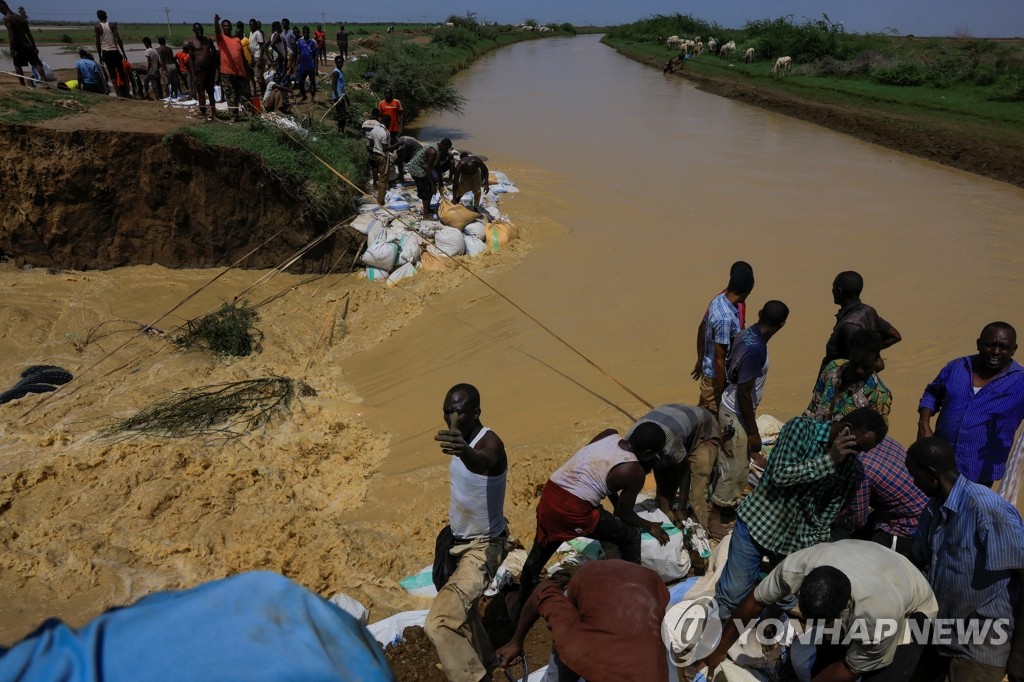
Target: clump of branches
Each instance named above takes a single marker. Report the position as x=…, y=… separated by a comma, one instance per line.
x=228, y=331
x=219, y=411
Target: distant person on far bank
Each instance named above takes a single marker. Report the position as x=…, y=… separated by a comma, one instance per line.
x=853, y=316
x=110, y=48
x=724, y=317
x=342, y=39
x=22, y=45
x=470, y=549
x=980, y=403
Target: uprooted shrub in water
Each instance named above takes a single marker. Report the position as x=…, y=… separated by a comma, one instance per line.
x=227, y=331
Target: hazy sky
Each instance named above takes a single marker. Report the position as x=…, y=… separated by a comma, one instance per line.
x=982, y=18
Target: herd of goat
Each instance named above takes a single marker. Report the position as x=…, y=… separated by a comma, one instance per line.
x=696, y=47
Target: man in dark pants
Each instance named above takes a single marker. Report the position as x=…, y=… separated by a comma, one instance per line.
x=23, y=45
x=570, y=504
x=111, y=51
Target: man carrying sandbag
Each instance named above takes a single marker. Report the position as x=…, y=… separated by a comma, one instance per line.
x=470, y=550
x=470, y=175
x=423, y=169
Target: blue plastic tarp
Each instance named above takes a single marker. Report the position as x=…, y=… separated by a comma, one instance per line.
x=254, y=626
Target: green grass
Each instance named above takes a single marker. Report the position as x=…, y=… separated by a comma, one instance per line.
x=326, y=194
x=32, y=105
x=961, y=103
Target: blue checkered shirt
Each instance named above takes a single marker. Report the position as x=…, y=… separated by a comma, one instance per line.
x=973, y=545
x=722, y=322
x=886, y=489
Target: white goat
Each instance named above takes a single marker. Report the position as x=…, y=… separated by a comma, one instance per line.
x=699, y=50
x=748, y=56
x=782, y=65
x=712, y=46
x=726, y=49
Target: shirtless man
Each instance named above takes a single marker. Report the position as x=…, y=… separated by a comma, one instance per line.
x=468, y=176
x=204, y=69
x=111, y=51
x=23, y=46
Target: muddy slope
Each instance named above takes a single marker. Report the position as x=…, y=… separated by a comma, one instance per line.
x=96, y=199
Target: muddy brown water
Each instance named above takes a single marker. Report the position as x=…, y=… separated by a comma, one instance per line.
x=638, y=192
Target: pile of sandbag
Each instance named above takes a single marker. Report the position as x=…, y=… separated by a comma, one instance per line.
x=400, y=242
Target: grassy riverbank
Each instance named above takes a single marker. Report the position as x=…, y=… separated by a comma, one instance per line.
x=959, y=104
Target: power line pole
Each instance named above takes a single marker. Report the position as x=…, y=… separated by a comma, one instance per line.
x=323, y=17
x=167, y=11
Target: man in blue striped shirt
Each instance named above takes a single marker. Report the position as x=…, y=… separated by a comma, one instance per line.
x=972, y=543
x=980, y=403
x=721, y=322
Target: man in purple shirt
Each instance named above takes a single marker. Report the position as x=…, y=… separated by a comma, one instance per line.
x=980, y=403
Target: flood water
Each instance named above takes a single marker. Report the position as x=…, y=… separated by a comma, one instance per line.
x=639, y=191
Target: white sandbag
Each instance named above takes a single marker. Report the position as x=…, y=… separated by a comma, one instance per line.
x=450, y=241
x=381, y=231
x=405, y=271
x=501, y=178
x=365, y=222
x=427, y=228
x=509, y=571
x=375, y=274
x=410, y=246
x=474, y=246
x=491, y=212
x=389, y=631
x=396, y=201
x=48, y=73
x=420, y=584
x=352, y=607
x=475, y=229
x=383, y=255
x=670, y=561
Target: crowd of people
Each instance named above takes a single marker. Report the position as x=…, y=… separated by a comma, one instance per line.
x=237, y=61
x=849, y=526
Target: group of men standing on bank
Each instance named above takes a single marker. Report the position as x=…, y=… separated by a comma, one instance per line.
x=852, y=525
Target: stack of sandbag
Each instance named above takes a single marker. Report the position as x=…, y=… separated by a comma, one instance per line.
x=401, y=243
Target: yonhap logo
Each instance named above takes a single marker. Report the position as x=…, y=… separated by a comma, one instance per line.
x=691, y=630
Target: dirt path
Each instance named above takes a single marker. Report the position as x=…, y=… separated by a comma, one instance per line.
x=966, y=147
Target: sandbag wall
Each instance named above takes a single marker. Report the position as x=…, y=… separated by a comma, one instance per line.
x=401, y=243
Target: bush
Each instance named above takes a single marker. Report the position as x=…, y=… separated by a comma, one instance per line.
x=566, y=27
x=453, y=36
x=1008, y=89
x=985, y=74
x=227, y=331
x=416, y=76
x=902, y=73
x=657, y=28
x=66, y=38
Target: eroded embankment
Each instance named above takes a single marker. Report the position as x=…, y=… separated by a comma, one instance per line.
x=97, y=199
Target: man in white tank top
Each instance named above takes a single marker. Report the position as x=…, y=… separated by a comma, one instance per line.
x=478, y=541
x=570, y=504
x=110, y=48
